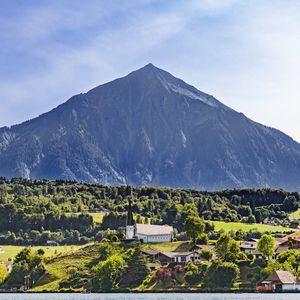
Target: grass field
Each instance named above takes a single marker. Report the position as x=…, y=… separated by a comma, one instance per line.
x=58, y=268
x=97, y=216
x=295, y=215
x=168, y=247
x=12, y=251
x=246, y=227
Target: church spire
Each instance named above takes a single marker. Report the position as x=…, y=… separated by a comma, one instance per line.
x=129, y=221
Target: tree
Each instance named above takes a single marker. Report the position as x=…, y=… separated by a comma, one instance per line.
x=292, y=257
x=290, y=203
x=266, y=245
x=206, y=254
x=251, y=219
x=228, y=248
x=109, y=272
x=3, y=273
x=220, y=275
x=193, y=275
x=162, y=274
x=194, y=227
x=137, y=269
x=203, y=239
x=26, y=263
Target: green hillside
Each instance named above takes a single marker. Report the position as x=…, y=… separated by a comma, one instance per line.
x=62, y=267
x=228, y=226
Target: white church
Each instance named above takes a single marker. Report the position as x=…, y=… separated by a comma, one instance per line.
x=146, y=233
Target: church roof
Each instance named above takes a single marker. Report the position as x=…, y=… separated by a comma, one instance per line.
x=148, y=229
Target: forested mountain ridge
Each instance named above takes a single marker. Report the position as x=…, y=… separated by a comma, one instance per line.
x=34, y=211
x=150, y=128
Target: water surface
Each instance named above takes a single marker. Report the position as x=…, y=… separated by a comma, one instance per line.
x=186, y=296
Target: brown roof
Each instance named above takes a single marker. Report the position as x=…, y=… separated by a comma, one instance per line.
x=279, y=241
x=148, y=229
x=248, y=245
x=153, y=265
x=281, y=249
x=150, y=252
x=293, y=235
x=284, y=277
x=202, y=247
x=176, y=254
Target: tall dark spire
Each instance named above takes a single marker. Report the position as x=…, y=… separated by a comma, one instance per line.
x=129, y=221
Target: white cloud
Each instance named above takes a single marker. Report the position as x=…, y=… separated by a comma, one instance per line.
x=245, y=53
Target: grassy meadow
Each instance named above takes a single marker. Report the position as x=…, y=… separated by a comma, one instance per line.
x=227, y=226
x=60, y=268
x=12, y=251
x=295, y=214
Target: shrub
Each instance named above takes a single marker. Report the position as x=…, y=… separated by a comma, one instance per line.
x=162, y=274
x=220, y=275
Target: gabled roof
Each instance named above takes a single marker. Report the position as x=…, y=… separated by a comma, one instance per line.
x=293, y=235
x=148, y=229
x=150, y=252
x=176, y=254
x=202, y=247
x=248, y=245
x=281, y=249
x=284, y=277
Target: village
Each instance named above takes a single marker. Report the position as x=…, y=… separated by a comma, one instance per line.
x=162, y=252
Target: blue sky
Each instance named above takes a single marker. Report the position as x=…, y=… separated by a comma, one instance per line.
x=245, y=53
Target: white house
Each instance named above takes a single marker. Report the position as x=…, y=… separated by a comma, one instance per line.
x=147, y=233
x=280, y=281
x=177, y=257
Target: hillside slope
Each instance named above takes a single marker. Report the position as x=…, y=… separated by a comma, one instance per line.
x=150, y=128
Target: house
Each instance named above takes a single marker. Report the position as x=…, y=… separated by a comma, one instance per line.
x=177, y=257
x=280, y=281
x=251, y=247
x=292, y=242
x=248, y=246
x=147, y=233
x=52, y=243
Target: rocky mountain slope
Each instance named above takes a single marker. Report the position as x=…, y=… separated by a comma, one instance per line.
x=150, y=128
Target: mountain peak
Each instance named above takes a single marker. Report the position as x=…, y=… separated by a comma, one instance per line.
x=150, y=66
x=150, y=128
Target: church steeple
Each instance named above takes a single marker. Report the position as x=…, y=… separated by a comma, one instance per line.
x=129, y=221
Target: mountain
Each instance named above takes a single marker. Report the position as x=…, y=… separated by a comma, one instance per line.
x=150, y=128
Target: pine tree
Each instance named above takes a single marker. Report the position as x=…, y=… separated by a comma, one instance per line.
x=137, y=269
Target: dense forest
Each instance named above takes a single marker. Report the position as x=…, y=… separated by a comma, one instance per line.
x=36, y=211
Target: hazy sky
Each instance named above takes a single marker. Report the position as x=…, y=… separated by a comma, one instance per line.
x=245, y=53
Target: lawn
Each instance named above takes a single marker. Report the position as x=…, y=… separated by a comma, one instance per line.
x=295, y=214
x=12, y=251
x=227, y=226
x=97, y=216
x=168, y=247
x=58, y=268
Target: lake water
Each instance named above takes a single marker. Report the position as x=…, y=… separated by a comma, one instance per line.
x=149, y=296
